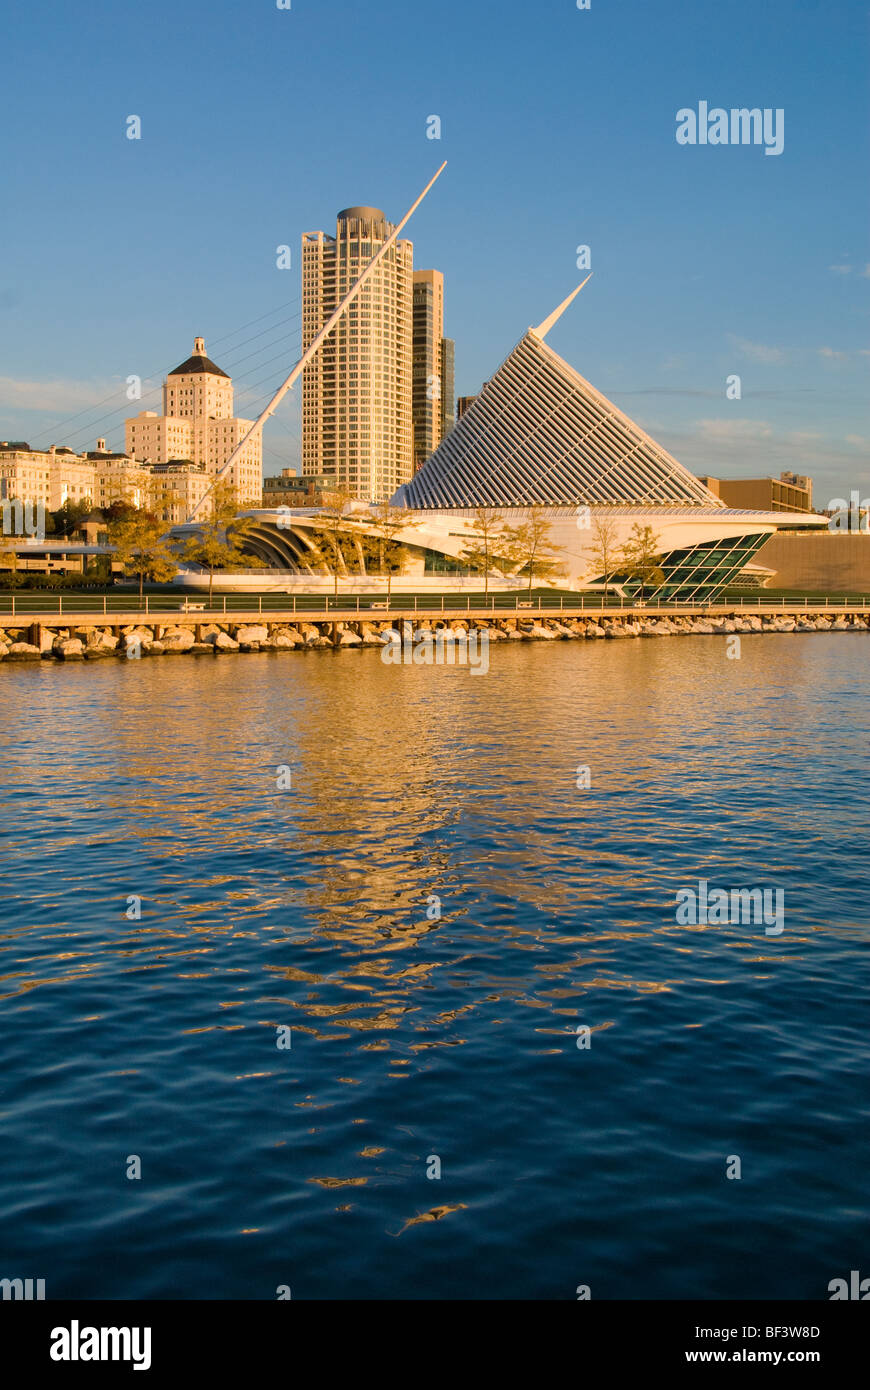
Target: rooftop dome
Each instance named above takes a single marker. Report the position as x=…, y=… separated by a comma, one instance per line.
x=198, y=362
x=364, y=214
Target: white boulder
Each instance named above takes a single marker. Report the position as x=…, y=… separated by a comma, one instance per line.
x=69, y=648
x=255, y=632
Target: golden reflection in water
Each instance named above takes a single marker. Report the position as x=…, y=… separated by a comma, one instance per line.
x=406, y=783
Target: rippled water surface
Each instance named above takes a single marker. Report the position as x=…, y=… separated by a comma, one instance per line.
x=417, y=1037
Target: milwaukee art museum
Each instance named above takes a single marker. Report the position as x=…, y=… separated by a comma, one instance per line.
x=538, y=435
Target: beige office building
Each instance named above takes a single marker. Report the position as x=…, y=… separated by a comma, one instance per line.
x=51, y=476
x=25, y=474
x=119, y=478
x=198, y=426
x=99, y=477
x=357, y=425
x=790, y=492
x=175, y=489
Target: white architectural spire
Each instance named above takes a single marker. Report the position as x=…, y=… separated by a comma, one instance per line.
x=324, y=332
x=543, y=328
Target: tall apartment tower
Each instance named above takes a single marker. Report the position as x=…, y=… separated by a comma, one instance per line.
x=357, y=392
x=198, y=424
x=433, y=366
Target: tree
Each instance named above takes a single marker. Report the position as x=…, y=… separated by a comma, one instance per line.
x=220, y=537
x=118, y=511
x=69, y=516
x=8, y=549
x=528, y=547
x=605, y=552
x=640, y=558
x=478, y=554
x=389, y=554
x=141, y=544
x=332, y=528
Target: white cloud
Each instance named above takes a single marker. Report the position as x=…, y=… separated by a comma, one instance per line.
x=833, y=355
x=729, y=448
x=65, y=396
x=757, y=352
x=733, y=430
x=841, y=269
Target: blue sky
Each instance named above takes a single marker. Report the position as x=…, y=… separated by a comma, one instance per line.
x=559, y=128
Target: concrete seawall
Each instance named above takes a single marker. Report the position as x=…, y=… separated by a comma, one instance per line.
x=96, y=639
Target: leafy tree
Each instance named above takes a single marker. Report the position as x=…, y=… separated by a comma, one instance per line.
x=332, y=531
x=66, y=518
x=101, y=570
x=389, y=555
x=640, y=558
x=142, y=546
x=530, y=550
x=118, y=510
x=605, y=552
x=479, y=554
x=220, y=537
x=9, y=555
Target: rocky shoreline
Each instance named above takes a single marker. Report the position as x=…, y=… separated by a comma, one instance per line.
x=72, y=643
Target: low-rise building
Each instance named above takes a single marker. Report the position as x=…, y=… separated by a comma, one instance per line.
x=24, y=474
x=176, y=487
x=821, y=562
x=291, y=490
x=58, y=475
x=100, y=477
x=790, y=492
x=54, y=556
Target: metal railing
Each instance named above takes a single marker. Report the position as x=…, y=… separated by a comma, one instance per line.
x=37, y=605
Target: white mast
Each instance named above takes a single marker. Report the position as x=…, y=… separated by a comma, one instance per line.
x=543, y=328
x=315, y=343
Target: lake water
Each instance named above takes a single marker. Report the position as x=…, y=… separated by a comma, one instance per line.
x=419, y=1040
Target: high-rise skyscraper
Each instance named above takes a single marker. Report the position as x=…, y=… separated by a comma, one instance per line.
x=356, y=393
x=433, y=366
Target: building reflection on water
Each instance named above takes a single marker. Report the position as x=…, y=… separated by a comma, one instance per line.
x=433, y=822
